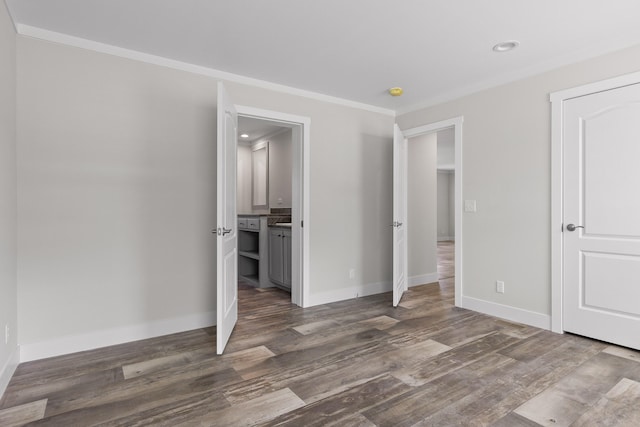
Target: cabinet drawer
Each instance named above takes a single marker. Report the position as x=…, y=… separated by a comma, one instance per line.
x=253, y=223
x=242, y=222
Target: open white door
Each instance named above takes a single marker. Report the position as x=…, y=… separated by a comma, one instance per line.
x=400, y=264
x=227, y=247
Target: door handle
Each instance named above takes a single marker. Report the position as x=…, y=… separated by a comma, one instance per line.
x=572, y=227
x=222, y=231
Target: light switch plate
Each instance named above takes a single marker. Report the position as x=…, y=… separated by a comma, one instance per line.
x=469, y=205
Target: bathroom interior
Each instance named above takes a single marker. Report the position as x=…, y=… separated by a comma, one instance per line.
x=264, y=197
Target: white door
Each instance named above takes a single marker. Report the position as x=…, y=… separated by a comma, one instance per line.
x=601, y=215
x=400, y=263
x=227, y=235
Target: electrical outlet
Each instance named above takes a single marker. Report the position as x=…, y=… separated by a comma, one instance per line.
x=500, y=286
x=6, y=334
x=352, y=273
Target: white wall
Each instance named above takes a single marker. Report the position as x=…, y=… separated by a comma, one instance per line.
x=506, y=168
x=422, y=209
x=117, y=180
x=445, y=213
x=280, y=170
x=8, y=199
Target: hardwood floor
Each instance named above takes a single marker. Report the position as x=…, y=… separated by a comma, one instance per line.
x=352, y=363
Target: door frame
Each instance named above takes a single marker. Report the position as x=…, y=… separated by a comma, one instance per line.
x=557, y=180
x=300, y=196
x=456, y=124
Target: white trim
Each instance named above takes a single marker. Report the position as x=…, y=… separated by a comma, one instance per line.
x=8, y=369
x=595, y=87
x=423, y=279
x=456, y=123
x=507, y=312
x=557, y=214
x=302, y=276
x=97, y=339
x=351, y=292
x=52, y=36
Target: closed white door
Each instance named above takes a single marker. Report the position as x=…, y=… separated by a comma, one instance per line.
x=400, y=262
x=601, y=215
x=227, y=234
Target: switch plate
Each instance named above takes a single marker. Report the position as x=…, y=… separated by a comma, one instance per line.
x=352, y=273
x=500, y=286
x=470, y=206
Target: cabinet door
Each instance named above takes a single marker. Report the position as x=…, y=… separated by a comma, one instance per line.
x=275, y=255
x=286, y=258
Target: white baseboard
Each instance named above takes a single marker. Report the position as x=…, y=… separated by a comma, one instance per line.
x=8, y=369
x=445, y=238
x=507, y=312
x=89, y=341
x=423, y=279
x=349, y=293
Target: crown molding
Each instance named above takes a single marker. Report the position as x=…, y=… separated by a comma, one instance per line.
x=65, y=39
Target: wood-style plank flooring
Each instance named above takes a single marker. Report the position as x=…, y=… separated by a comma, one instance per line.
x=351, y=363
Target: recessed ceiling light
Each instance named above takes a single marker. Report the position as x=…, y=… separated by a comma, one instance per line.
x=244, y=135
x=395, y=91
x=506, y=46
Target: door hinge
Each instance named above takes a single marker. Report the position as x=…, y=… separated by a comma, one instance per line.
x=301, y=224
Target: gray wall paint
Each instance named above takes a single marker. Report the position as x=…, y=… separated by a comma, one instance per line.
x=244, y=179
x=117, y=182
x=446, y=149
x=445, y=213
x=422, y=211
x=117, y=192
x=280, y=173
x=452, y=205
x=8, y=200
x=506, y=168
x=280, y=170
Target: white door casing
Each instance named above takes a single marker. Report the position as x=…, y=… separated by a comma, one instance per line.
x=400, y=260
x=227, y=235
x=601, y=262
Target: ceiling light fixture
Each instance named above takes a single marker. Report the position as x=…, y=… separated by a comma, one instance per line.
x=395, y=91
x=506, y=46
x=244, y=135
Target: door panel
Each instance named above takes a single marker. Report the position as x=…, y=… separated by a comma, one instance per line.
x=227, y=235
x=601, y=284
x=611, y=147
x=619, y=273
x=400, y=262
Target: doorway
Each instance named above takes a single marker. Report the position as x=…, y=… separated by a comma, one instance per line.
x=430, y=205
x=294, y=204
x=454, y=128
x=264, y=203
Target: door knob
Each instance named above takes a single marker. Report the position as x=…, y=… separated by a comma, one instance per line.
x=572, y=227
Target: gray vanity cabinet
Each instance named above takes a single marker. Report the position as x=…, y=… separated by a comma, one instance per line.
x=280, y=256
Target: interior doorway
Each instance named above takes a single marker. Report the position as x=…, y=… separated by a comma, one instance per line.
x=452, y=130
x=431, y=207
x=283, y=138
